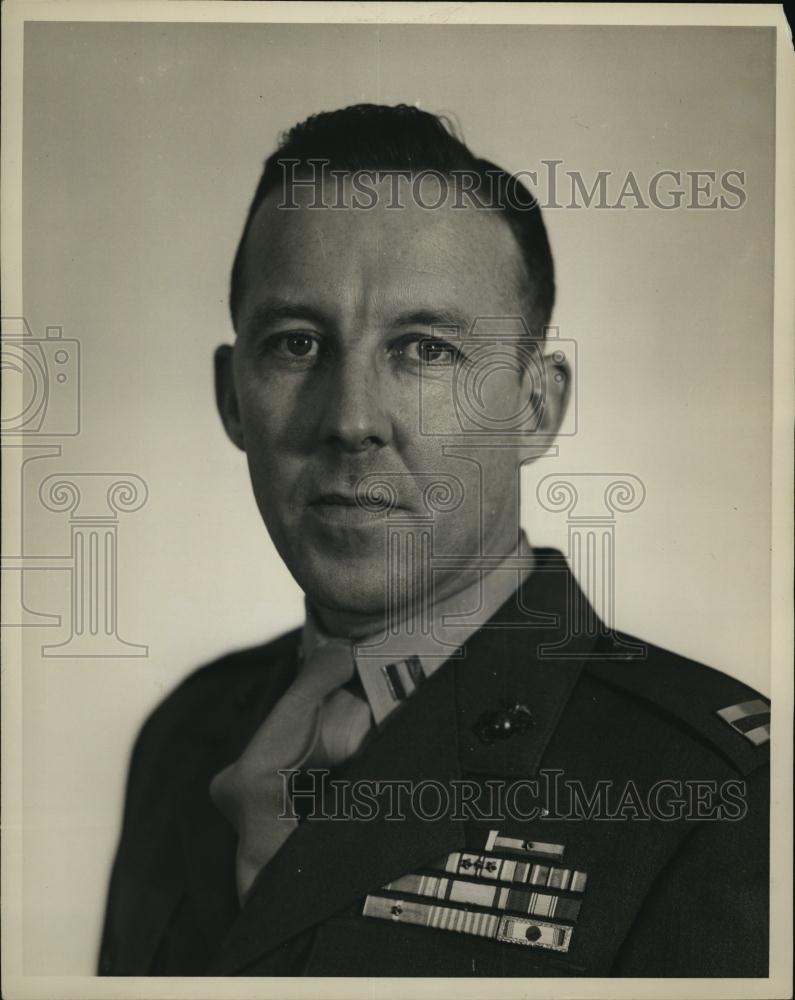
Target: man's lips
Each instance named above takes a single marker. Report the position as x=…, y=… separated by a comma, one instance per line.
x=349, y=510
x=337, y=499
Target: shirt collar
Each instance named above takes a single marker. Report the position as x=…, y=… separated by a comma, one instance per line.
x=391, y=664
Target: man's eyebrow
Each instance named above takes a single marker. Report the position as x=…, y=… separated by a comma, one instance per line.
x=272, y=310
x=435, y=317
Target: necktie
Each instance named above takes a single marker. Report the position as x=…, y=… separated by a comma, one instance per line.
x=250, y=792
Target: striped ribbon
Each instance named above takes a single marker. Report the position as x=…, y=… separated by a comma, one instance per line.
x=487, y=866
x=514, y=845
x=537, y=904
x=510, y=930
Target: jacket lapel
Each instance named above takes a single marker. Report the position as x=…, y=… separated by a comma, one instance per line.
x=209, y=842
x=325, y=866
x=529, y=654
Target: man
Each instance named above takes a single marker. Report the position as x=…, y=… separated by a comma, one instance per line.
x=454, y=768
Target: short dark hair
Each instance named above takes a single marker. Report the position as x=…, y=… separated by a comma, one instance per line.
x=378, y=137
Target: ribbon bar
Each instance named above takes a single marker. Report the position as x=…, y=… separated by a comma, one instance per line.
x=537, y=904
x=510, y=930
x=497, y=843
x=495, y=869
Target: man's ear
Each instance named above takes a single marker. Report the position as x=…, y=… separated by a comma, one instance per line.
x=552, y=397
x=226, y=395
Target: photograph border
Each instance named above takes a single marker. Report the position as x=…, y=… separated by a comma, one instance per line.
x=779, y=982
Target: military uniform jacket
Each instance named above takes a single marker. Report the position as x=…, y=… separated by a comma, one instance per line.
x=641, y=886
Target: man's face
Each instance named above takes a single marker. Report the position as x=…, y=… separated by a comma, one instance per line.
x=341, y=371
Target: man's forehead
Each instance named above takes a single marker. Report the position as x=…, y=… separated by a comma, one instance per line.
x=331, y=238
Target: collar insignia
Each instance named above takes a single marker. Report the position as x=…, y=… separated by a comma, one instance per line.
x=750, y=719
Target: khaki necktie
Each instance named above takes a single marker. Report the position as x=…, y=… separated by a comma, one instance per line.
x=250, y=792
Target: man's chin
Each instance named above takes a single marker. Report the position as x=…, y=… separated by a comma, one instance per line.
x=349, y=587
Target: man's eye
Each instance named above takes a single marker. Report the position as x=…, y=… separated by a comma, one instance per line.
x=294, y=346
x=430, y=352
x=299, y=344
x=436, y=352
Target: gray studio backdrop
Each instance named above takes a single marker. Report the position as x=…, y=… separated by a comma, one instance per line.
x=142, y=147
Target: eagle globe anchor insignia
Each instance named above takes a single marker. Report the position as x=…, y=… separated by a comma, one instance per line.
x=503, y=723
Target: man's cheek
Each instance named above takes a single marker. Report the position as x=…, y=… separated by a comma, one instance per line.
x=430, y=412
x=502, y=399
x=266, y=420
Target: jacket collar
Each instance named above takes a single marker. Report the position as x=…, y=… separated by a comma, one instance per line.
x=525, y=655
x=454, y=619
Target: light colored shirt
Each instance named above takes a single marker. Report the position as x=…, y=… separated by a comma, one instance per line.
x=391, y=666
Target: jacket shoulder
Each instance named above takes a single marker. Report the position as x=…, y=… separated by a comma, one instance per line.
x=223, y=672
x=199, y=696
x=715, y=708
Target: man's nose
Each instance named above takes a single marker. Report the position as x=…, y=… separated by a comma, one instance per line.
x=355, y=416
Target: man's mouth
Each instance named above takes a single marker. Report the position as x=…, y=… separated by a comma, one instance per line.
x=335, y=499
x=350, y=510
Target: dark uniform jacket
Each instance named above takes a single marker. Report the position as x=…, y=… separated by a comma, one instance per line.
x=671, y=890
